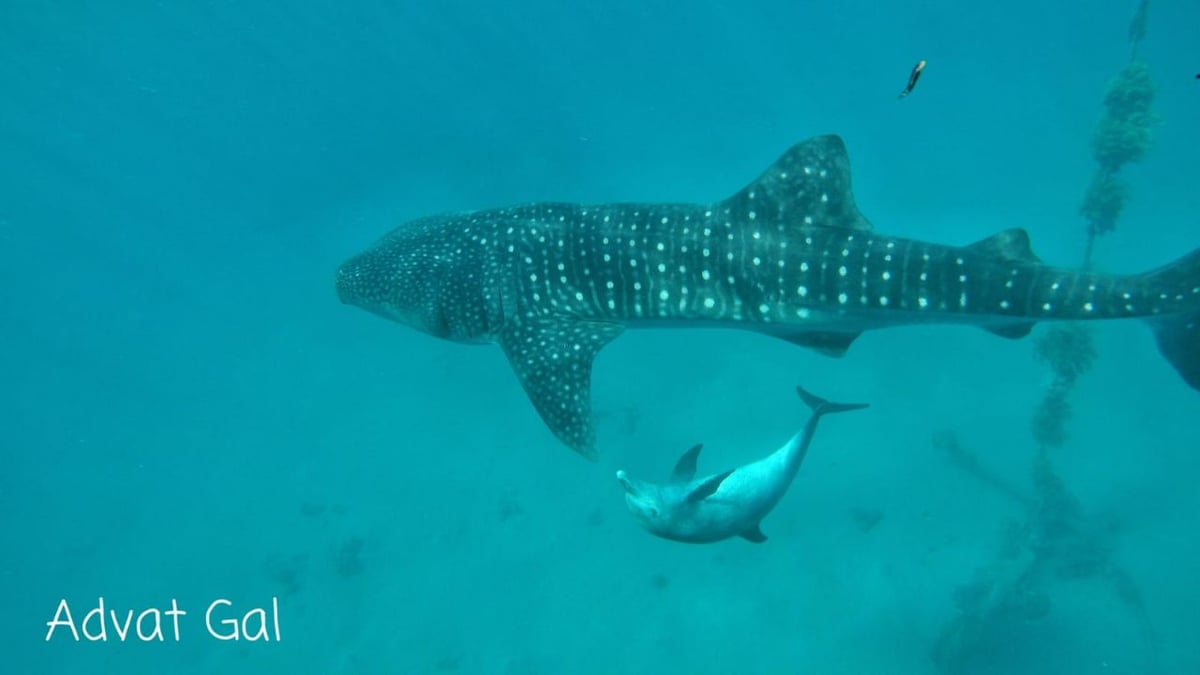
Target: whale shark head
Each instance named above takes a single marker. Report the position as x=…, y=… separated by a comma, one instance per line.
x=388, y=289
x=416, y=278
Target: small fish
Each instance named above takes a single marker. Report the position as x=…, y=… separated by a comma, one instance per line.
x=916, y=75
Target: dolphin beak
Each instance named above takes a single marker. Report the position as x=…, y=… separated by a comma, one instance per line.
x=626, y=482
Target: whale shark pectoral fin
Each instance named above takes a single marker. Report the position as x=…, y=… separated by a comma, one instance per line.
x=707, y=488
x=685, y=468
x=828, y=343
x=754, y=534
x=552, y=358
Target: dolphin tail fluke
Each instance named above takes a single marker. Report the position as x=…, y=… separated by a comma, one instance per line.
x=820, y=406
x=1178, y=334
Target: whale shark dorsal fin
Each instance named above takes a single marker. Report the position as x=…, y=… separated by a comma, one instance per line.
x=707, y=487
x=1012, y=244
x=754, y=534
x=552, y=358
x=685, y=468
x=808, y=186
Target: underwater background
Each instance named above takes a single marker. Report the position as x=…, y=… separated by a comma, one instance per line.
x=189, y=413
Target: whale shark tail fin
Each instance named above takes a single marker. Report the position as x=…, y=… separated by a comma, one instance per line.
x=1178, y=333
x=1178, y=339
x=820, y=406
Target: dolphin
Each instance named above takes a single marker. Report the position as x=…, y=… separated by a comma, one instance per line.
x=789, y=255
x=726, y=504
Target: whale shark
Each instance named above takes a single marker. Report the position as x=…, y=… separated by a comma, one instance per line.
x=789, y=255
x=726, y=504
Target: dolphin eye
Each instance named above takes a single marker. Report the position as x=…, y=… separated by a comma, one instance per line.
x=652, y=512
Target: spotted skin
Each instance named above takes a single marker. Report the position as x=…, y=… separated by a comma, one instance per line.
x=789, y=255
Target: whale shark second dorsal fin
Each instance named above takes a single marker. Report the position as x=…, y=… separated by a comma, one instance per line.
x=808, y=186
x=707, y=487
x=1011, y=244
x=685, y=468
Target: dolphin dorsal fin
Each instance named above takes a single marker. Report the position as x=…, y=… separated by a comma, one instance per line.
x=707, y=487
x=685, y=468
x=808, y=186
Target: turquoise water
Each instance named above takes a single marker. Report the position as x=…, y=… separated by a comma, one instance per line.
x=190, y=415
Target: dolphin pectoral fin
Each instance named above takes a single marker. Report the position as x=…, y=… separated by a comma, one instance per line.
x=754, y=534
x=707, y=487
x=553, y=361
x=685, y=468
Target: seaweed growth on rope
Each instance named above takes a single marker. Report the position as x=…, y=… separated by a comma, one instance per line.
x=1125, y=134
x=1056, y=541
x=1068, y=350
